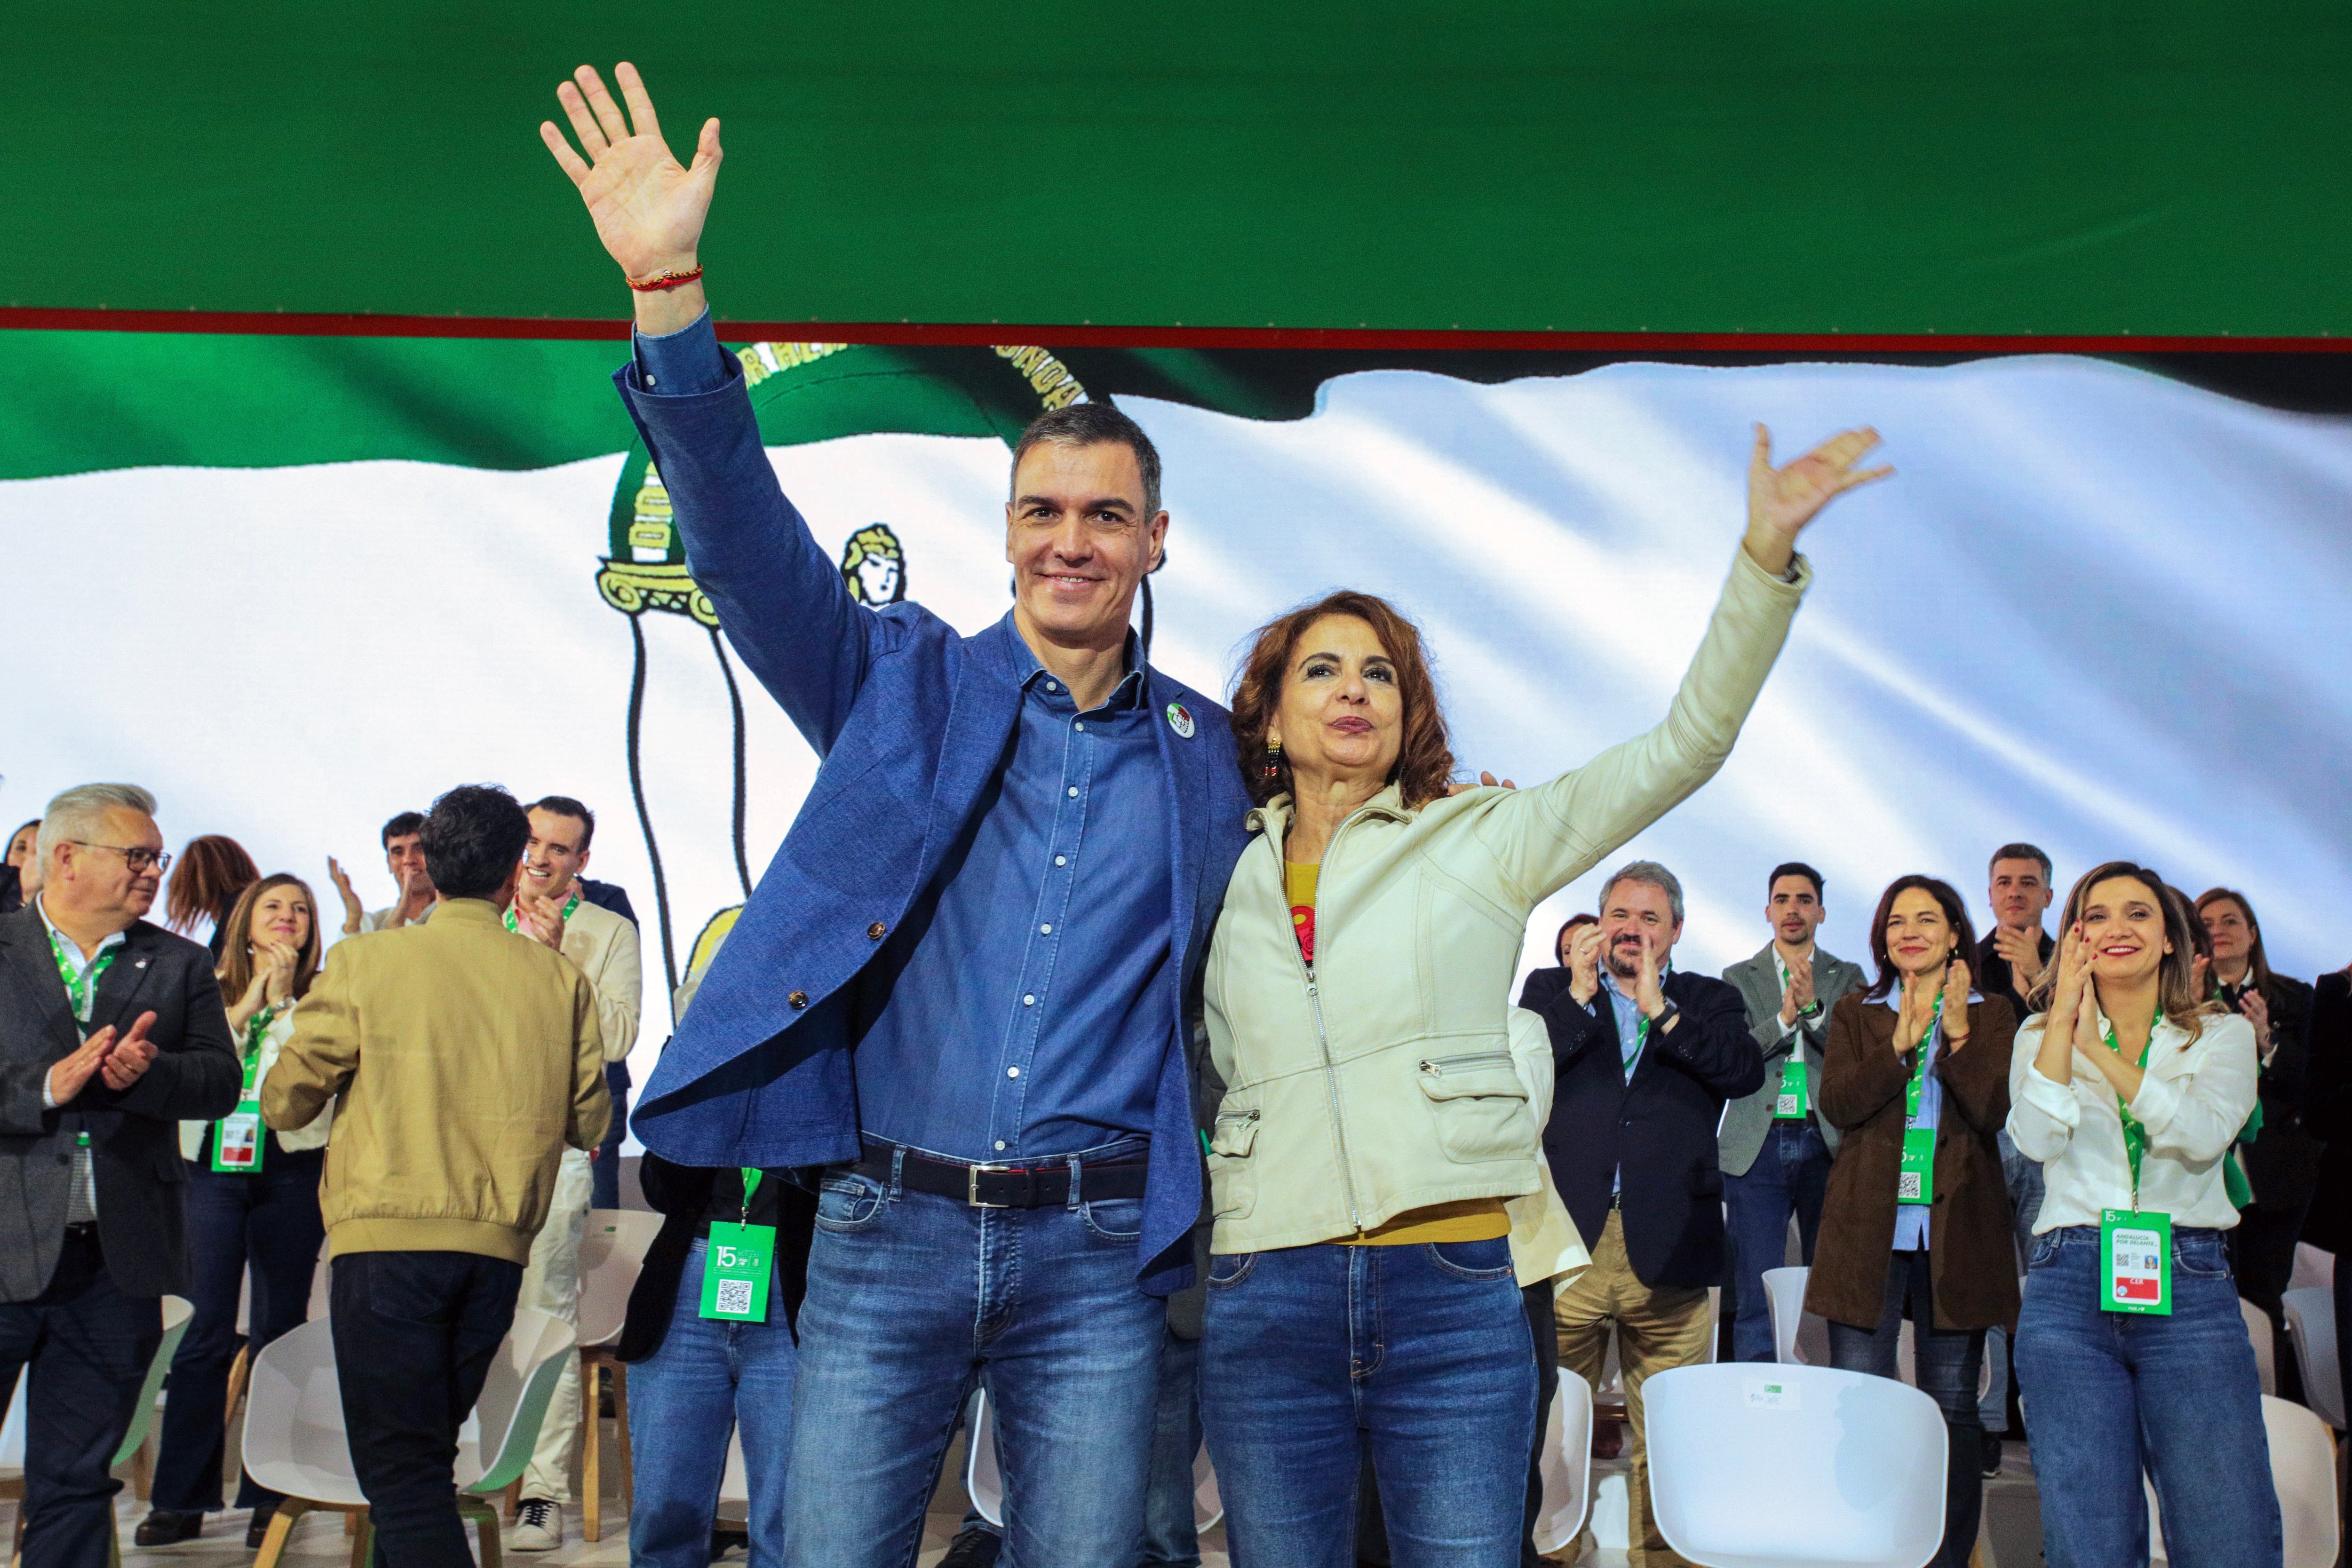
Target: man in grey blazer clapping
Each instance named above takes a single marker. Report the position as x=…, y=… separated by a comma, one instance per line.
x=1775, y=1144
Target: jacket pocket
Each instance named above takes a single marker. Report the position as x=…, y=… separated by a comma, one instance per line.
x=1479, y=1106
x=1232, y=1180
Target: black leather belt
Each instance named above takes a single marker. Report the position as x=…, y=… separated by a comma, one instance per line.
x=1045, y=1185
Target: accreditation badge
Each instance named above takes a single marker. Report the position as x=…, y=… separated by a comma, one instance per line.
x=237, y=1137
x=1916, y=1182
x=2136, y=1261
x=735, y=1267
x=1795, y=1099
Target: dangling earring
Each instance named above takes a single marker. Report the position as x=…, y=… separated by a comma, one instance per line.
x=1269, y=766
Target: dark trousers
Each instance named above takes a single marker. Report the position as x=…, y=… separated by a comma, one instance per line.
x=88, y=1347
x=1538, y=1298
x=270, y=1221
x=2261, y=1255
x=414, y=1332
x=604, y=1176
x=1946, y=1362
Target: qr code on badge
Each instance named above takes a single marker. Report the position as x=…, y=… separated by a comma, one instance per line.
x=1907, y=1187
x=734, y=1298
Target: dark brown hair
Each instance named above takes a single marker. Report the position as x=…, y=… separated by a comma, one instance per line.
x=2175, y=979
x=236, y=971
x=1424, y=764
x=2258, y=962
x=1955, y=915
x=1572, y=923
x=205, y=880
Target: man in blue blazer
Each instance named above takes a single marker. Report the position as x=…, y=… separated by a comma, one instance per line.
x=960, y=989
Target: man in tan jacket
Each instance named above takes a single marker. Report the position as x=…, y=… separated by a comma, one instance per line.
x=467, y=1061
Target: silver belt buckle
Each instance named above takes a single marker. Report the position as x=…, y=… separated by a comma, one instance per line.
x=971, y=1186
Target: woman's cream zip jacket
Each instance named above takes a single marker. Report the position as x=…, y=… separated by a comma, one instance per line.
x=1383, y=1080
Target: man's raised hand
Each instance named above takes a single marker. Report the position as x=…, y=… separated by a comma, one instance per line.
x=70, y=1072
x=648, y=210
x=132, y=1056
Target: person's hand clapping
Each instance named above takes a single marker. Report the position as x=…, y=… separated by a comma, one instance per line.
x=131, y=1054
x=1956, y=1004
x=70, y=1072
x=1916, y=1014
x=1584, y=964
x=1798, y=997
x=2021, y=951
x=648, y=208
x=1649, y=994
x=274, y=967
x=540, y=917
x=2258, y=1013
x=343, y=890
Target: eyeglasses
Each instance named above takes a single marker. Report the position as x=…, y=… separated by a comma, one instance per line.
x=134, y=859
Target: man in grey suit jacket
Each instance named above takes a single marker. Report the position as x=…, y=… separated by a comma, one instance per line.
x=1775, y=1146
x=112, y=1031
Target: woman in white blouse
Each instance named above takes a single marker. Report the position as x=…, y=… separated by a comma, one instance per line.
x=243, y=1212
x=2129, y=1086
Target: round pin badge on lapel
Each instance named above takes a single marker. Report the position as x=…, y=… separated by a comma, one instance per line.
x=1180, y=719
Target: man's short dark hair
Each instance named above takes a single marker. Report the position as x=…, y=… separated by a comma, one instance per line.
x=1793, y=868
x=474, y=838
x=2020, y=853
x=1092, y=424
x=401, y=825
x=565, y=806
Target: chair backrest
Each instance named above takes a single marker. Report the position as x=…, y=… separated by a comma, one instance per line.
x=2311, y=1328
x=1566, y=1466
x=2302, y=1473
x=1799, y=1337
x=177, y=1310
x=2258, y=1331
x=294, y=1441
x=11, y=1433
x=612, y=1256
x=984, y=1482
x=632, y=1191
x=514, y=1400
x=2312, y=1266
x=735, y=1482
x=1751, y=1464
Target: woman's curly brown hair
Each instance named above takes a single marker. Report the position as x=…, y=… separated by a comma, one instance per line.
x=1424, y=764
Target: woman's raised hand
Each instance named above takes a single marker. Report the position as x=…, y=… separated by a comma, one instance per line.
x=648, y=210
x=1781, y=501
x=1956, y=1004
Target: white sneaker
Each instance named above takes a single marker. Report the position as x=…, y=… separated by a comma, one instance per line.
x=538, y=1526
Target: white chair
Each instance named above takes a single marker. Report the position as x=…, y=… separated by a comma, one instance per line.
x=2258, y=1332
x=1799, y=1337
x=177, y=1310
x=985, y=1483
x=294, y=1434
x=612, y=1256
x=2311, y=1266
x=1566, y=1466
x=2311, y=1329
x=1851, y=1469
x=2302, y=1471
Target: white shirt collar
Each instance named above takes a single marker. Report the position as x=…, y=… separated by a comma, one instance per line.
x=67, y=945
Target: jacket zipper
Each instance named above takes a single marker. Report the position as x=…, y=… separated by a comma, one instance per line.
x=1438, y=1064
x=1323, y=1040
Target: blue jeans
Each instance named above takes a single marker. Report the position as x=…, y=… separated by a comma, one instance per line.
x=707, y=1379
x=604, y=1176
x=2023, y=1178
x=1424, y=1349
x=912, y=1300
x=270, y=1221
x=2111, y=1393
x=1791, y=1172
x=1945, y=1362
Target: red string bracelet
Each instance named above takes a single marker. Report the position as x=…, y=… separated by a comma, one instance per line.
x=664, y=280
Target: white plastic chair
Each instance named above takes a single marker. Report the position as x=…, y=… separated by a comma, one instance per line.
x=611, y=1255
x=1773, y=1466
x=985, y=1483
x=2312, y=1266
x=1566, y=1466
x=1800, y=1338
x=2302, y=1471
x=2311, y=1329
x=2258, y=1331
x=294, y=1435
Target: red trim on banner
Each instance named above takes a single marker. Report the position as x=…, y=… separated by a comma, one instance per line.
x=1089, y=336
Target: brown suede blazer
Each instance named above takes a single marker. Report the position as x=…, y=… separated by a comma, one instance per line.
x=1972, y=1259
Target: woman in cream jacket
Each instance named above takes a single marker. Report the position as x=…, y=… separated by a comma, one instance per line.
x=266, y=1218
x=1373, y=1129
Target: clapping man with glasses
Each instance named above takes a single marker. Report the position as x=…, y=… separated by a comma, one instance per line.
x=111, y=1034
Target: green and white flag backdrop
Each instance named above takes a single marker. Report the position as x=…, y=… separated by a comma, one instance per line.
x=2098, y=609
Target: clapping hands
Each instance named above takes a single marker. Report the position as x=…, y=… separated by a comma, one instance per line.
x=117, y=1060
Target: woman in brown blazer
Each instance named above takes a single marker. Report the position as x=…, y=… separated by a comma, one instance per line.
x=1927, y=1237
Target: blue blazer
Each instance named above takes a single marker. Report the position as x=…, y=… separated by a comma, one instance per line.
x=911, y=719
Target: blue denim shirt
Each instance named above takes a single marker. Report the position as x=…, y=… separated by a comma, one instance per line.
x=1009, y=1014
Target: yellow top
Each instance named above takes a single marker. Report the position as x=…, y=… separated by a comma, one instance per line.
x=1475, y=1219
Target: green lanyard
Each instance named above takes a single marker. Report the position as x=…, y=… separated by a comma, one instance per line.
x=81, y=985
x=256, y=1028
x=1916, y=1090
x=569, y=906
x=736, y=1264
x=2135, y=1135
x=751, y=1174
x=1915, y=1177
